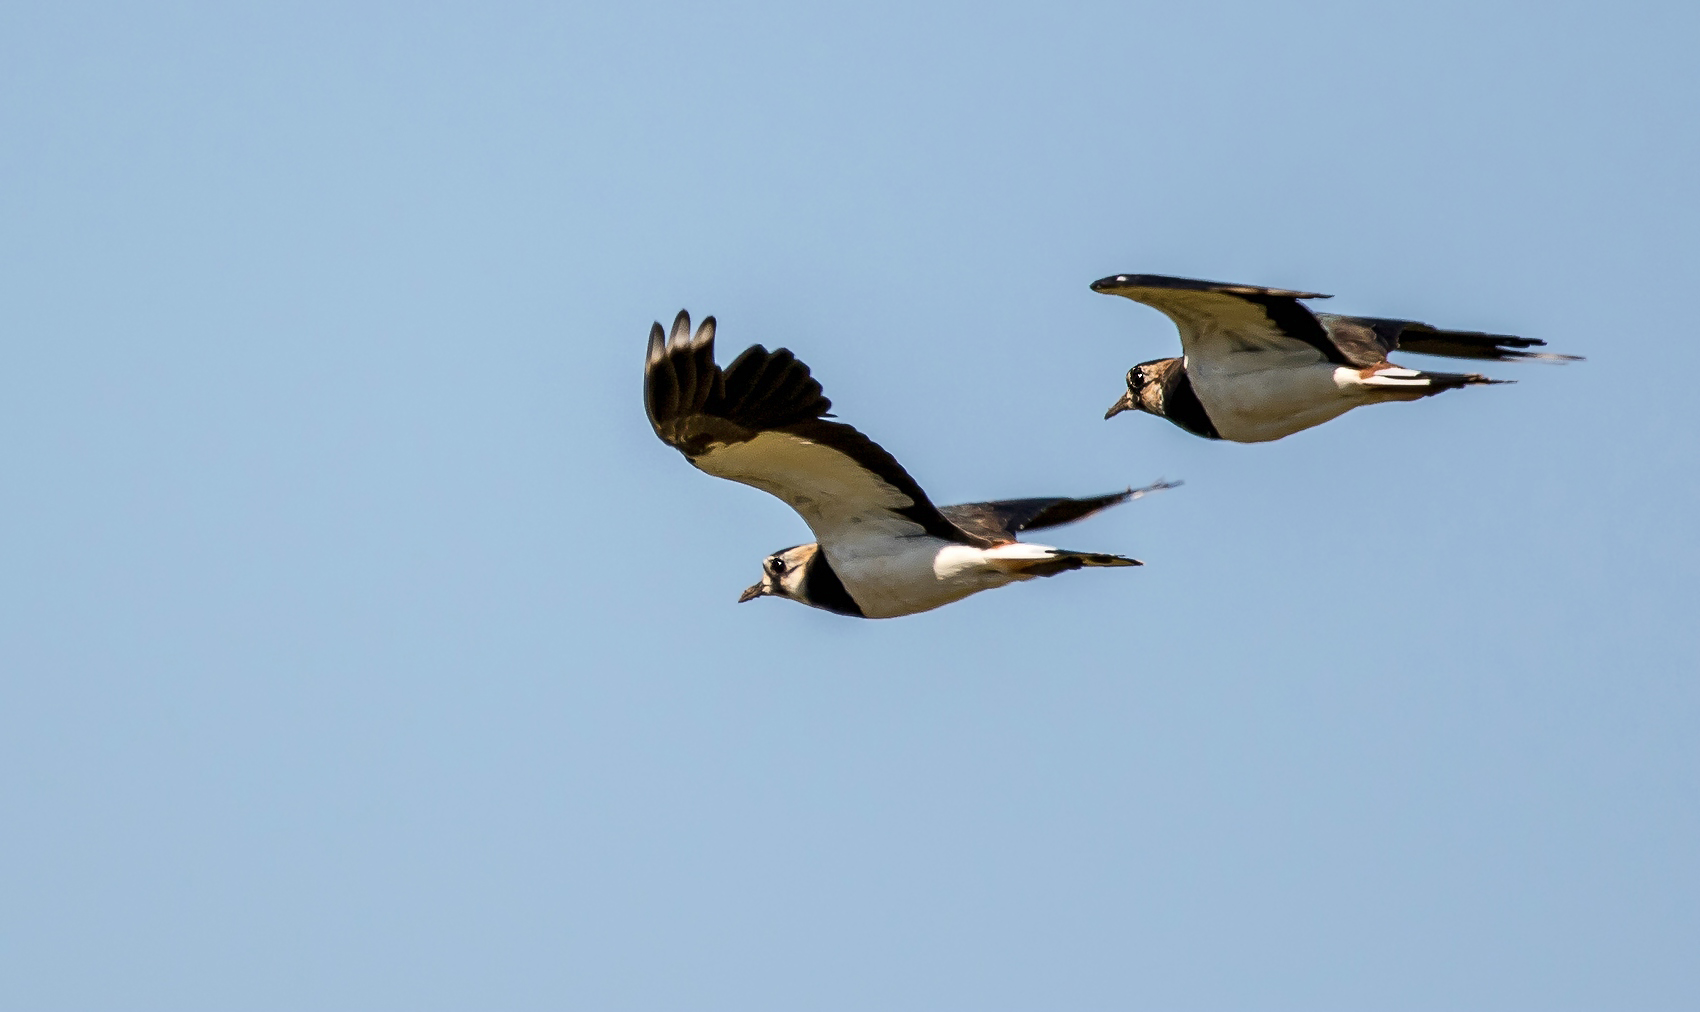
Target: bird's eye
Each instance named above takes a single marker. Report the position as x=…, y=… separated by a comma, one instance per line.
x=776, y=564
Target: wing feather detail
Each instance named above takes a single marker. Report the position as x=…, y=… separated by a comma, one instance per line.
x=1233, y=328
x=1004, y=519
x=762, y=422
x=1379, y=335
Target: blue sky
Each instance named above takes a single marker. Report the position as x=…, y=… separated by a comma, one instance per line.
x=364, y=649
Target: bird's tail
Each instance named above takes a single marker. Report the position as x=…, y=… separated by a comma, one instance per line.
x=1026, y=560
x=1416, y=383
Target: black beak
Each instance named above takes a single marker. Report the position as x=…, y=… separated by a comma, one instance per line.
x=1127, y=403
x=751, y=593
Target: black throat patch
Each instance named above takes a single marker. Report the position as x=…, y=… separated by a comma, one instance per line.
x=825, y=590
x=1182, y=406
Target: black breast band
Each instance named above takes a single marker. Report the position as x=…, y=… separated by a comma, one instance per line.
x=826, y=590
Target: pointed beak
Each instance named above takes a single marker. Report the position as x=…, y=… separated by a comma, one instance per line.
x=751, y=593
x=1125, y=404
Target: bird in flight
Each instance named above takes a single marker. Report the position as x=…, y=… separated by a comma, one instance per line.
x=1257, y=364
x=881, y=549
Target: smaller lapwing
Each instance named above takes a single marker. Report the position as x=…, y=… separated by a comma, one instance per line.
x=882, y=549
x=1259, y=365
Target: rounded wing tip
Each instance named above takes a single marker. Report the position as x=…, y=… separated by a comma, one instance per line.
x=657, y=345
x=705, y=333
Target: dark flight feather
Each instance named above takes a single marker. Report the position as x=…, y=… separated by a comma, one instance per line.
x=1286, y=314
x=693, y=406
x=1370, y=333
x=1004, y=519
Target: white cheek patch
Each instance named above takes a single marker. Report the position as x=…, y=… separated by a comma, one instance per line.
x=792, y=580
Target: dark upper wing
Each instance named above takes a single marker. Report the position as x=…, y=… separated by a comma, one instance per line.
x=760, y=422
x=1374, y=335
x=1232, y=328
x=1003, y=520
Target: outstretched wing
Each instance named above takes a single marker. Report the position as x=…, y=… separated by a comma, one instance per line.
x=761, y=422
x=1003, y=520
x=1370, y=335
x=1231, y=329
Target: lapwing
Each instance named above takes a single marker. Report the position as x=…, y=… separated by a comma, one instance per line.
x=882, y=548
x=1259, y=365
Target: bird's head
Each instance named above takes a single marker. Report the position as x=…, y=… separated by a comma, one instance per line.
x=782, y=574
x=1144, y=389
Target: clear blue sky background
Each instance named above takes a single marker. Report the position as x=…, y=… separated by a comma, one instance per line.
x=363, y=649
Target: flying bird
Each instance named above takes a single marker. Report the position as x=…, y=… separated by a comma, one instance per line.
x=881, y=549
x=1257, y=364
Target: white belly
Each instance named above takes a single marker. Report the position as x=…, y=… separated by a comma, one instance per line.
x=1255, y=407
x=903, y=576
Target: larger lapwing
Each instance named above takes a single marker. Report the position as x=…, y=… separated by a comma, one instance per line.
x=882, y=549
